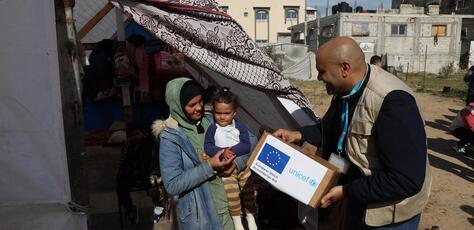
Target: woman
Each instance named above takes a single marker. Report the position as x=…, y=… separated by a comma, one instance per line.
x=202, y=202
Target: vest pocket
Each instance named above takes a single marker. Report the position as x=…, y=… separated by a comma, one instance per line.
x=359, y=135
x=360, y=146
x=363, y=128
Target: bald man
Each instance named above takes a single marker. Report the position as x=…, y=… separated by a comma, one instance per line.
x=374, y=133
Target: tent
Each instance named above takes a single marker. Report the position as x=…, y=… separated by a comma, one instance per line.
x=36, y=126
x=223, y=54
x=44, y=185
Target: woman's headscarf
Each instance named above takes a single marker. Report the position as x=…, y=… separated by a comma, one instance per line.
x=174, y=94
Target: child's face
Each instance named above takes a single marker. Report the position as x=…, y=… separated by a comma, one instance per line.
x=223, y=113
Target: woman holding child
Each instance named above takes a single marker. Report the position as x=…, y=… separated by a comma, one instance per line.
x=186, y=170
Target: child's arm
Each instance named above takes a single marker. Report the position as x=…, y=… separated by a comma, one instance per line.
x=209, y=143
x=243, y=147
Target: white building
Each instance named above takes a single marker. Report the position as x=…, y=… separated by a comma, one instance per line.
x=404, y=35
x=266, y=21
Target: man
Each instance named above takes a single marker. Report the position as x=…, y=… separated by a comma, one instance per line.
x=469, y=78
x=376, y=60
x=374, y=132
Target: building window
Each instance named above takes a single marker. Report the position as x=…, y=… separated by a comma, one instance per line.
x=284, y=37
x=360, y=30
x=328, y=31
x=246, y=14
x=461, y=4
x=438, y=30
x=464, y=34
x=224, y=8
x=399, y=29
x=291, y=15
x=261, y=15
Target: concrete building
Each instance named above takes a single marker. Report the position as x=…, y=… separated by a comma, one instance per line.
x=465, y=7
x=404, y=35
x=467, y=33
x=266, y=21
x=312, y=31
x=421, y=3
x=311, y=13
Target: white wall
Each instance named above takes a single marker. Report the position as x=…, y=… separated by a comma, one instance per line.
x=408, y=49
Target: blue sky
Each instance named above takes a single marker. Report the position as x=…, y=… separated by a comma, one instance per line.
x=367, y=4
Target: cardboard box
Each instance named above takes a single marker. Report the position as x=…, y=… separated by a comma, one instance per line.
x=304, y=176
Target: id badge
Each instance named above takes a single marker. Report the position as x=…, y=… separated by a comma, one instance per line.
x=341, y=163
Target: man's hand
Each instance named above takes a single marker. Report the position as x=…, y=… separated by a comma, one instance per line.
x=334, y=195
x=227, y=171
x=288, y=136
x=217, y=164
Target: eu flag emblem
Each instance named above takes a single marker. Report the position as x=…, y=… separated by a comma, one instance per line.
x=273, y=158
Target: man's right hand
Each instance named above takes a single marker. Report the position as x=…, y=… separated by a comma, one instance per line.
x=288, y=136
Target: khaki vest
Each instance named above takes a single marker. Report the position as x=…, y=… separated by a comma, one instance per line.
x=360, y=147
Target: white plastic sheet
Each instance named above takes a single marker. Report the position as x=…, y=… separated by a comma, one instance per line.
x=33, y=167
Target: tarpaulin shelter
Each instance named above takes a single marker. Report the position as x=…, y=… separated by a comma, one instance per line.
x=41, y=133
x=224, y=55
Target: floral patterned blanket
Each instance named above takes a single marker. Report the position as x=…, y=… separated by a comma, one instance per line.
x=207, y=35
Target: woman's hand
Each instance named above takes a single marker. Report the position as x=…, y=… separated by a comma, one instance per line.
x=218, y=165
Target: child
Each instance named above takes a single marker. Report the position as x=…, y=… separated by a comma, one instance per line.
x=462, y=127
x=231, y=136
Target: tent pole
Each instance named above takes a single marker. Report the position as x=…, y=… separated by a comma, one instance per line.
x=73, y=120
x=126, y=102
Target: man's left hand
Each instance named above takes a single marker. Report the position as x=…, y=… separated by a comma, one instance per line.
x=334, y=195
x=228, y=170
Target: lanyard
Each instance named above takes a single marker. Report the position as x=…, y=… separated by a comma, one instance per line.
x=345, y=114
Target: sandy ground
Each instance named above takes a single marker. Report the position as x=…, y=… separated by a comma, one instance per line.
x=451, y=204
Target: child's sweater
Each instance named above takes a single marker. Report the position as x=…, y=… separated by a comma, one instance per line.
x=234, y=136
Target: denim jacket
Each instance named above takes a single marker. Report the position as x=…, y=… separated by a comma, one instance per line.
x=185, y=175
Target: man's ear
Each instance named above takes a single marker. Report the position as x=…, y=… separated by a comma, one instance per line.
x=346, y=68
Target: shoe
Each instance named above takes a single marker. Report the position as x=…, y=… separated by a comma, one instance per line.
x=251, y=222
x=237, y=223
x=460, y=149
x=157, y=211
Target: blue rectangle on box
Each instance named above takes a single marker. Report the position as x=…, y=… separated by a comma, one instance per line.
x=273, y=158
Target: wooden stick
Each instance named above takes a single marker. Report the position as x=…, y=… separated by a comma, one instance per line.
x=94, y=20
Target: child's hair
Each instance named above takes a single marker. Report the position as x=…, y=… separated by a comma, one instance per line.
x=227, y=97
